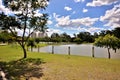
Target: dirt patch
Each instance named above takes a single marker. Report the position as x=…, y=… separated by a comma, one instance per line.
x=23, y=69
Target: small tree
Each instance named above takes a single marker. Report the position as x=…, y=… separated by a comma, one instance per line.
x=109, y=42
x=25, y=17
x=31, y=43
x=37, y=40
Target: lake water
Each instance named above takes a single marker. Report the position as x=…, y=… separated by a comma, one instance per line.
x=82, y=50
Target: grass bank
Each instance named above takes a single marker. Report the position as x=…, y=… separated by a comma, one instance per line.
x=44, y=66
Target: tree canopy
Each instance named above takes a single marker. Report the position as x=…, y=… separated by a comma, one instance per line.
x=27, y=15
x=108, y=41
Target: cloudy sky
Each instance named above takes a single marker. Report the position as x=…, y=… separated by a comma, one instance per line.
x=74, y=16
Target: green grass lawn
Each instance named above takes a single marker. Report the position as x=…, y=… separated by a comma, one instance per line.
x=45, y=66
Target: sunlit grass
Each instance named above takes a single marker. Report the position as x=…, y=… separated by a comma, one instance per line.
x=65, y=67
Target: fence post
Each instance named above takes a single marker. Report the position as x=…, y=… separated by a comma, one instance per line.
x=52, y=49
x=93, y=52
x=68, y=50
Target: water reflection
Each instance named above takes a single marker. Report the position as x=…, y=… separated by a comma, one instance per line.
x=82, y=49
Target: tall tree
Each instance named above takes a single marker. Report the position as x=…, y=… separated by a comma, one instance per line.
x=109, y=42
x=26, y=14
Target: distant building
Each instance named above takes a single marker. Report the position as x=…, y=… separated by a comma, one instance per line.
x=33, y=35
x=38, y=35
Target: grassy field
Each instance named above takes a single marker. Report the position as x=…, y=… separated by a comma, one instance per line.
x=45, y=66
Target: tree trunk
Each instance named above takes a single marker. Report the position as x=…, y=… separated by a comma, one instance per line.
x=93, y=52
x=109, y=53
x=24, y=51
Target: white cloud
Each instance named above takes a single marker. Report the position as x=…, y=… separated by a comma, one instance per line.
x=101, y=2
x=65, y=21
x=79, y=1
x=82, y=0
x=79, y=24
x=87, y=21
x=94, y=29
x=85, y=10
x=112, y=17
x=3, y=9
x=51, y=31
x=87, y=29
x=37, y=13
x=49, y=22
x=55, y=15
x=67, y=8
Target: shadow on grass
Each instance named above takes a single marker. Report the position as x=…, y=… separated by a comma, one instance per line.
x=22, y=69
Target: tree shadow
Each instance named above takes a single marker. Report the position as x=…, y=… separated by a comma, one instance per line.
x=23, y=68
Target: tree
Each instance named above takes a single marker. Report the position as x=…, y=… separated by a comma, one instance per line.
x=77, y=40
x=85, y=36
x=109, y=42
x=116, y=32
x=6, y=36
x=95, y=35
x=65, y=37
x=31, y=43
x=37, y=40
x=102, y=33
x=25, y=17
x=55, y=35
x=105, y=32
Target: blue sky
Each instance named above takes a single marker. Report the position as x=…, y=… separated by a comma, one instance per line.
x=74, y=16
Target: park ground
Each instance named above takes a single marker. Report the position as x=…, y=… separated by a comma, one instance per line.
x=46, y=66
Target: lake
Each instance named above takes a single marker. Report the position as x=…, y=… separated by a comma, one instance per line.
x=82, y=50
